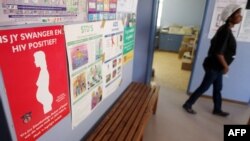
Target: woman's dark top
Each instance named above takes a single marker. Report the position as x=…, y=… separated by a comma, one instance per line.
x=223, y=43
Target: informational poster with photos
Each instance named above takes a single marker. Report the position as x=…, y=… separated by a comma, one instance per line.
x=101, y=10
x=216, y=19
x=15, y=12
x=113, y=48
x=34, y=72
x=85, y=51
x=112, y=70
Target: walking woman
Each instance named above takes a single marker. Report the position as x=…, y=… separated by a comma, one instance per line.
x=220, y=55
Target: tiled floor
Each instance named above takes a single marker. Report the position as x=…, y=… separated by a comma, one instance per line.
x=171, y=122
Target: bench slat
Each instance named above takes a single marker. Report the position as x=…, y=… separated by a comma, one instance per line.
x=139, y=120
x=127, y=118
x=139, y=131
x=115, y=120
x=131, y=115
x=120, y=102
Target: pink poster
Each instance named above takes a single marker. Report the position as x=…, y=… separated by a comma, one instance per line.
x=34, y=69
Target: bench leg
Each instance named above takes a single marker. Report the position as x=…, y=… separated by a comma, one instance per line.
x=155, y=106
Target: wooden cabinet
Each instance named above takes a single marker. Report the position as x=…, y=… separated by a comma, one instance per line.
x=170, y=42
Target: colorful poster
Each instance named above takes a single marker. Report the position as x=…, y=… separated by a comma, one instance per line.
x=113, y=39
x=101, y=10
x=129, y=43
x=112, y=5
x=33, y=65
x=129, y=22
x=106, y=5
x=112, y=71
x=126, y=12
x=42, y=11
x=113, y=48
x=100, y=5
x=216, y=19
x=85, y=51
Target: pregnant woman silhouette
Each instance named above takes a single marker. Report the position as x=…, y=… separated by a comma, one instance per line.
x=43, y=94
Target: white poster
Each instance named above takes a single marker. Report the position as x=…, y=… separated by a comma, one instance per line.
x=85, y=50
x=113, y=47
x=13, y=12
x=134, y=6
x=216, y=19
x=112, y=75
x=244, y=34
x=127, y=6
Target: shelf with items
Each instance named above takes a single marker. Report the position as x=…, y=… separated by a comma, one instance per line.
x=189, y=40
x=187, y=50
x=188, y=43
x=186, y=64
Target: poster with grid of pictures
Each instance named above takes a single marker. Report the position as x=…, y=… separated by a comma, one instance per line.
x=101, y=10
x=113, y=49
x=85, y=50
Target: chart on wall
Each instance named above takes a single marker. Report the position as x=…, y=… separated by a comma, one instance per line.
x=216, y=19
x=85, y=52
x=15, y=12
x=101, y=10
x=33, y=62
x=113, y=48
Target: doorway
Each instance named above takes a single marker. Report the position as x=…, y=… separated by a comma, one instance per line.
x=177, y=35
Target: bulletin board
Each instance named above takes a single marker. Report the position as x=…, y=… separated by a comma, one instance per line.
x=85, y=46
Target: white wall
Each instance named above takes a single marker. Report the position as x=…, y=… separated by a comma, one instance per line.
x=183, y=12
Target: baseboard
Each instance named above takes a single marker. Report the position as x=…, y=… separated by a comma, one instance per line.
x=228, y=100
x=224, y=99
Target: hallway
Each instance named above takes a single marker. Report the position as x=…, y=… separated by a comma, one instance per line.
x=172, y=123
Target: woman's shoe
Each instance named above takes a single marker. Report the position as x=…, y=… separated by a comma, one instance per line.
x=221, y=113
x=188, y=109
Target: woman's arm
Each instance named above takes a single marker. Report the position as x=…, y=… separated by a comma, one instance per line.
x=223, y=63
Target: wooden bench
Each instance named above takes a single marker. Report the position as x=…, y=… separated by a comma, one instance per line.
x=128, y=117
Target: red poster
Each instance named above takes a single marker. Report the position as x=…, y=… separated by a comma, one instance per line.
x=34, y=70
